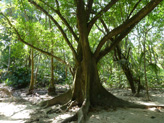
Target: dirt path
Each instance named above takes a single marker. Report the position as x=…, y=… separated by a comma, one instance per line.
x=23, y=109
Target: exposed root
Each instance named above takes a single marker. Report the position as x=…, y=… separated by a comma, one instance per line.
x=30, y=92
x=73, y=103
x=64, y=107
x=54, y=110
x=81, y=115
x=60, y=99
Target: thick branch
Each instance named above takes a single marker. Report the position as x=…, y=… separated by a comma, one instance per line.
x=134, y=20
x=114, y=43
x=82, y=25
x=30, y=45
x=57, y=24
x=81, y=115
x=63, y=19
x=100, y=13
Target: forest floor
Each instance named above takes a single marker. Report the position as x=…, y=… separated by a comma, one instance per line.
x=22, y=108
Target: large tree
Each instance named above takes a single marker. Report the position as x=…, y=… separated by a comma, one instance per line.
x=78, y=18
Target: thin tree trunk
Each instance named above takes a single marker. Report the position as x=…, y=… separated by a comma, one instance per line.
x=52, y=89
x=29, y=59
x=31, y=87
x=8, y=67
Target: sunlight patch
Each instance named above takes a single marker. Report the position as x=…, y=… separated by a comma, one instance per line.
x=22, y=114
x=14, y=112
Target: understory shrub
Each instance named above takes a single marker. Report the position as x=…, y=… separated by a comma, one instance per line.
x=17, y=77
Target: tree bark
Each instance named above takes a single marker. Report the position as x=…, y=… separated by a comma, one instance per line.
x=52, y=89
x=127, y=71
x=31, y=87
x=96, y=93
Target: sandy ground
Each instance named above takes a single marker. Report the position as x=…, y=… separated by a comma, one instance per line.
x=23, y=109
x=128, y=115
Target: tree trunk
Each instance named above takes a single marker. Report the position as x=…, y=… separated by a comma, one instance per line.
x=127, y=71
x=8, y=66
x=52, y=89
x=29, y=59
x=129, y=77
x=31, y=87
x=87, y=89
x=87, y=74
